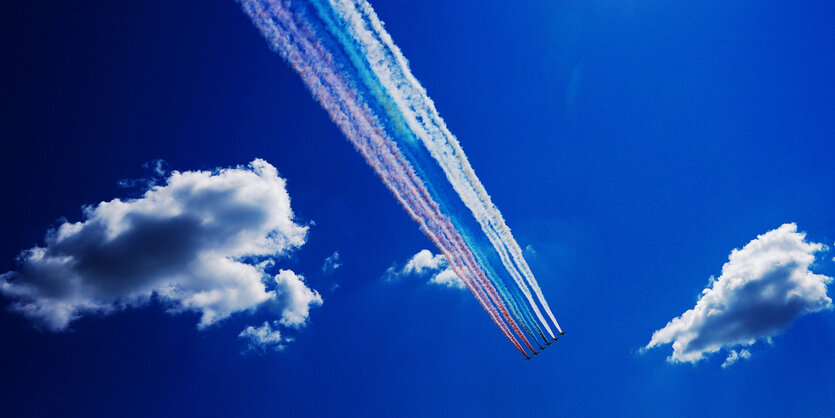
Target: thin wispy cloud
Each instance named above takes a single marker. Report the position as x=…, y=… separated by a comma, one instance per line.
x=735, y=356
x=332, y=263
x=202, y=241
x=157, y=172
x=764, y=287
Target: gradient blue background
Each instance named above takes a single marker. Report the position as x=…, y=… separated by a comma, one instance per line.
x=632, y=144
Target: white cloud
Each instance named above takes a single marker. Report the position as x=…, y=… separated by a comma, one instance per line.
x=763, y=288
x=424, y=263
x=295, y=298
x=448, y=278
x=735, y=356
x=263, y=337
x=331, y=263
x=200, y=242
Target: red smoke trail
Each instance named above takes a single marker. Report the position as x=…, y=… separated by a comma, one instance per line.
x=394, y=160
x=387, y=63
x=316, y=67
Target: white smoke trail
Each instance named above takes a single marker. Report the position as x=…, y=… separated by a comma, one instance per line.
x=335, y=25
x=299, y=47
x=418, y=110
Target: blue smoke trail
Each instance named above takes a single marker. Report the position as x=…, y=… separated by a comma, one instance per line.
x=359, y=76
x=415, y=152
x=387, y=61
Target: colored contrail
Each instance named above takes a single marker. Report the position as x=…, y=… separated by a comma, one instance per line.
x=387, y=75
x=372, y=70
x=358, y=75
x=419, y=110
x=315, y=66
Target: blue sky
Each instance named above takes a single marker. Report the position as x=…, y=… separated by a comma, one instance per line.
x=632, y=145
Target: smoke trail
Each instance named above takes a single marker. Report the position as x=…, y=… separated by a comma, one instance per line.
x=392, y=83
x=347, y=40
x=391, y=68
x=291, y=36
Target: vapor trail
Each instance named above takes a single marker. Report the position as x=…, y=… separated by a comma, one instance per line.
x=291, y=36
x=348, y=41
x=391, y=69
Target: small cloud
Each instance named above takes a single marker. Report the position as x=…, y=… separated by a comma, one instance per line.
x=425, y=263
x=263, y=338
x=735, y=356
x=530, y=251
x=448, y=278
x=331, y=263
x=158, y=171
x=133, y=183
x=158, y=166
x=392, y=273
x=763, y=288
x=295, y=298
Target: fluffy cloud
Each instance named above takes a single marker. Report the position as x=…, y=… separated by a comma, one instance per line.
x=332, y=263
x=763, y=288
x=424, y=263
x=447, y=278
x=295, y=298
x=199, y=242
